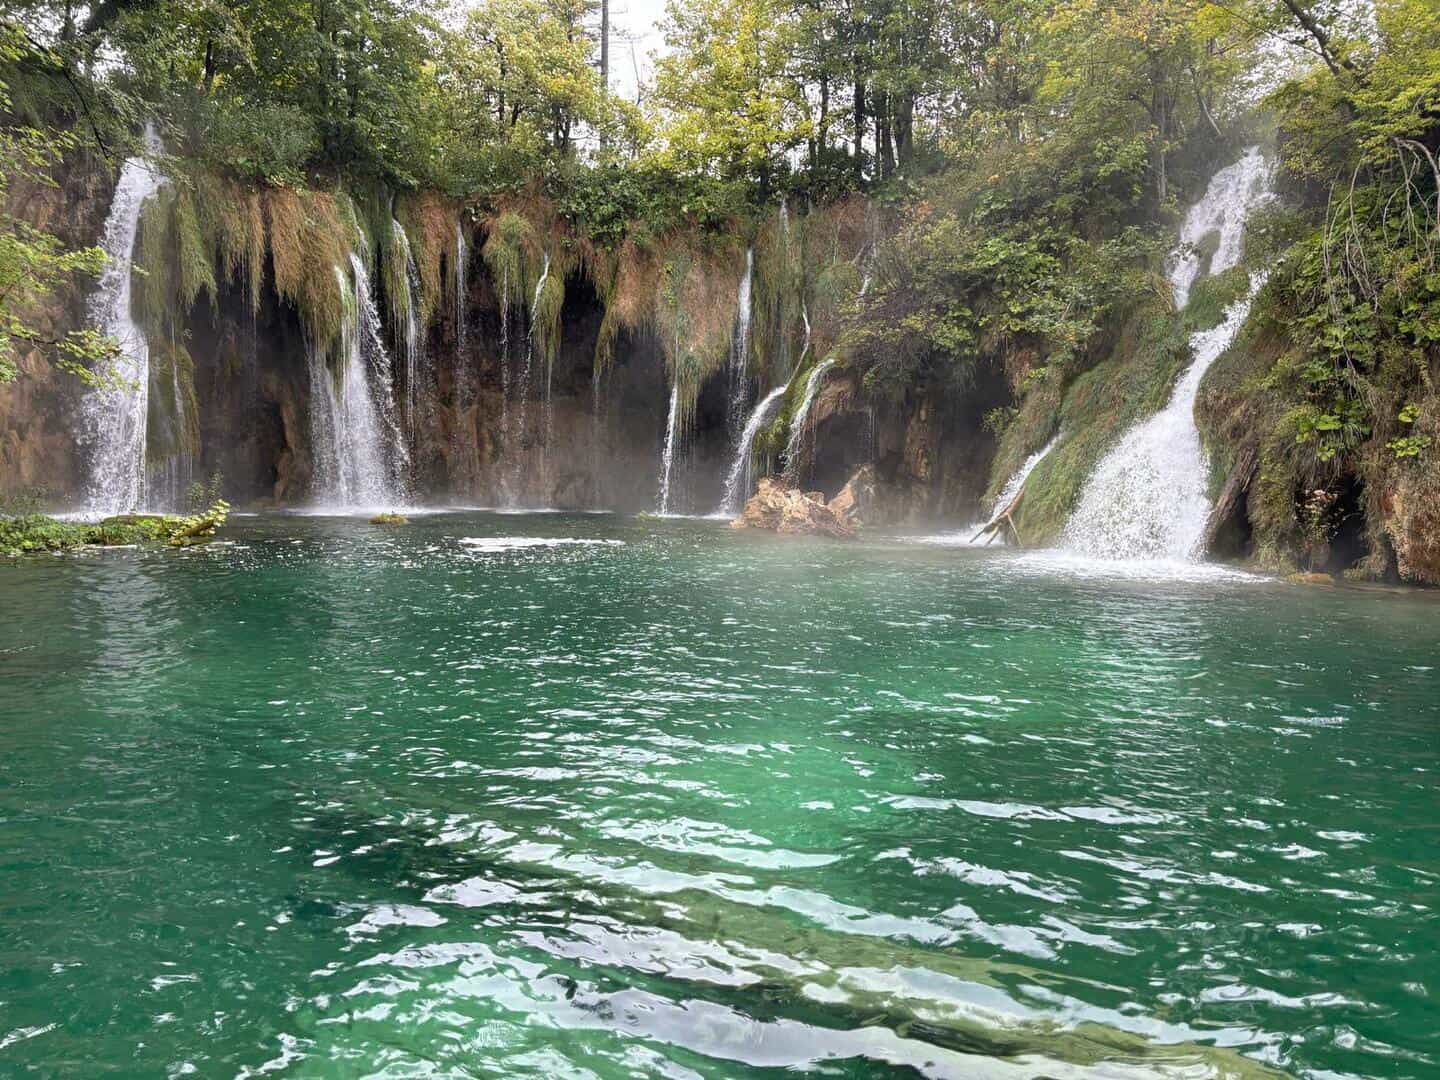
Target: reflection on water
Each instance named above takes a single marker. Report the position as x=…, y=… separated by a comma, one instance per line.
x=582, y=796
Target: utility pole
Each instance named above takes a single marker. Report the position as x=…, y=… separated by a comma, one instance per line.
x=605, y=65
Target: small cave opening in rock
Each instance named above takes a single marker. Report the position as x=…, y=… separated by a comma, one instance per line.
x=1349, y=545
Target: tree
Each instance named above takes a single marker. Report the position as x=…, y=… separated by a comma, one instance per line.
x=33, y=262
x=733, y=103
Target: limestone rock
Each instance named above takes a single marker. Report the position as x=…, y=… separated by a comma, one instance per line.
x=855, y=504
x=1414, y=525
x=786, y=510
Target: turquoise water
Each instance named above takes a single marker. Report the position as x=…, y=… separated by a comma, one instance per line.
x=339, y=800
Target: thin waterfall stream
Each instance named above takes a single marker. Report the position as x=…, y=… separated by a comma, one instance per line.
x=667, y=457
x=737, y=480
x=521, y=435
x=1016, y=482
x=740, y=350
x=802, y=415
x=407, y=317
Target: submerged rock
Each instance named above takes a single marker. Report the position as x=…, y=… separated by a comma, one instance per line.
x=788, y=510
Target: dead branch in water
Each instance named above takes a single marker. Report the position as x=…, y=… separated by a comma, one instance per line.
x=1002, y=521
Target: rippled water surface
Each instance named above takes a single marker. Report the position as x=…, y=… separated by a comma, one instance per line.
x=629, y=799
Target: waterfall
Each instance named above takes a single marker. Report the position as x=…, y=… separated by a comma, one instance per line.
x=461, y=274
x=802, y=414
x=1147, y=498
x=403, y=308
x=740, y=349
x=1233, y=193
x=115, y=416
x=667, y=460
x=507, y=493
x=1017, y=482
x=737, y=480
x=358, y=453
x=523, y=388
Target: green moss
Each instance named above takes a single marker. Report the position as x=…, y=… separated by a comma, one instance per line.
x=194, y=253
x=1093, y=411
x=506, y=253
x=154, y=287
x=174, y=427
x=36, y=533
x=1210, y=296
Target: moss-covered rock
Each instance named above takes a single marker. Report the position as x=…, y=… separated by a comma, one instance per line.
x=34, y=533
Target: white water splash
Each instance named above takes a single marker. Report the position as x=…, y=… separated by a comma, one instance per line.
x=737, y=480
x=667, y=460
x=115, y=417
x=358, y=454
x=802, y=414
x=1147, y=497
x=1016, y=482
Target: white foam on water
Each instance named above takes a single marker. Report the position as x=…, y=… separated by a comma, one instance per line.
x=490, y=545
x=1090, y=568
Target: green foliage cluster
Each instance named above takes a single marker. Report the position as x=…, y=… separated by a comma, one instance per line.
x=34, y=533
x=1336, y=378
x=33, y=261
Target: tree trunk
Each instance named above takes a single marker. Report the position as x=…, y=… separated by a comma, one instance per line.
x=905, y=132
x=858, y=164
x=1321, y=38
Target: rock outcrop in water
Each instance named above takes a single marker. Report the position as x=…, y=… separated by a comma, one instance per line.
x=857, y=503
x=790, y=511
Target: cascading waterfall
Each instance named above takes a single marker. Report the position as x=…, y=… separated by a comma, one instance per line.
x=667, y=459
x=1146, y=498
x=802, y=414
x=359, y=455
x=115, y=417
x=1017, y=481
x=737, y=480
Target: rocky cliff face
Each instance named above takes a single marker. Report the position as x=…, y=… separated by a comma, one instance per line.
x=37, y=426
x=596, y=443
